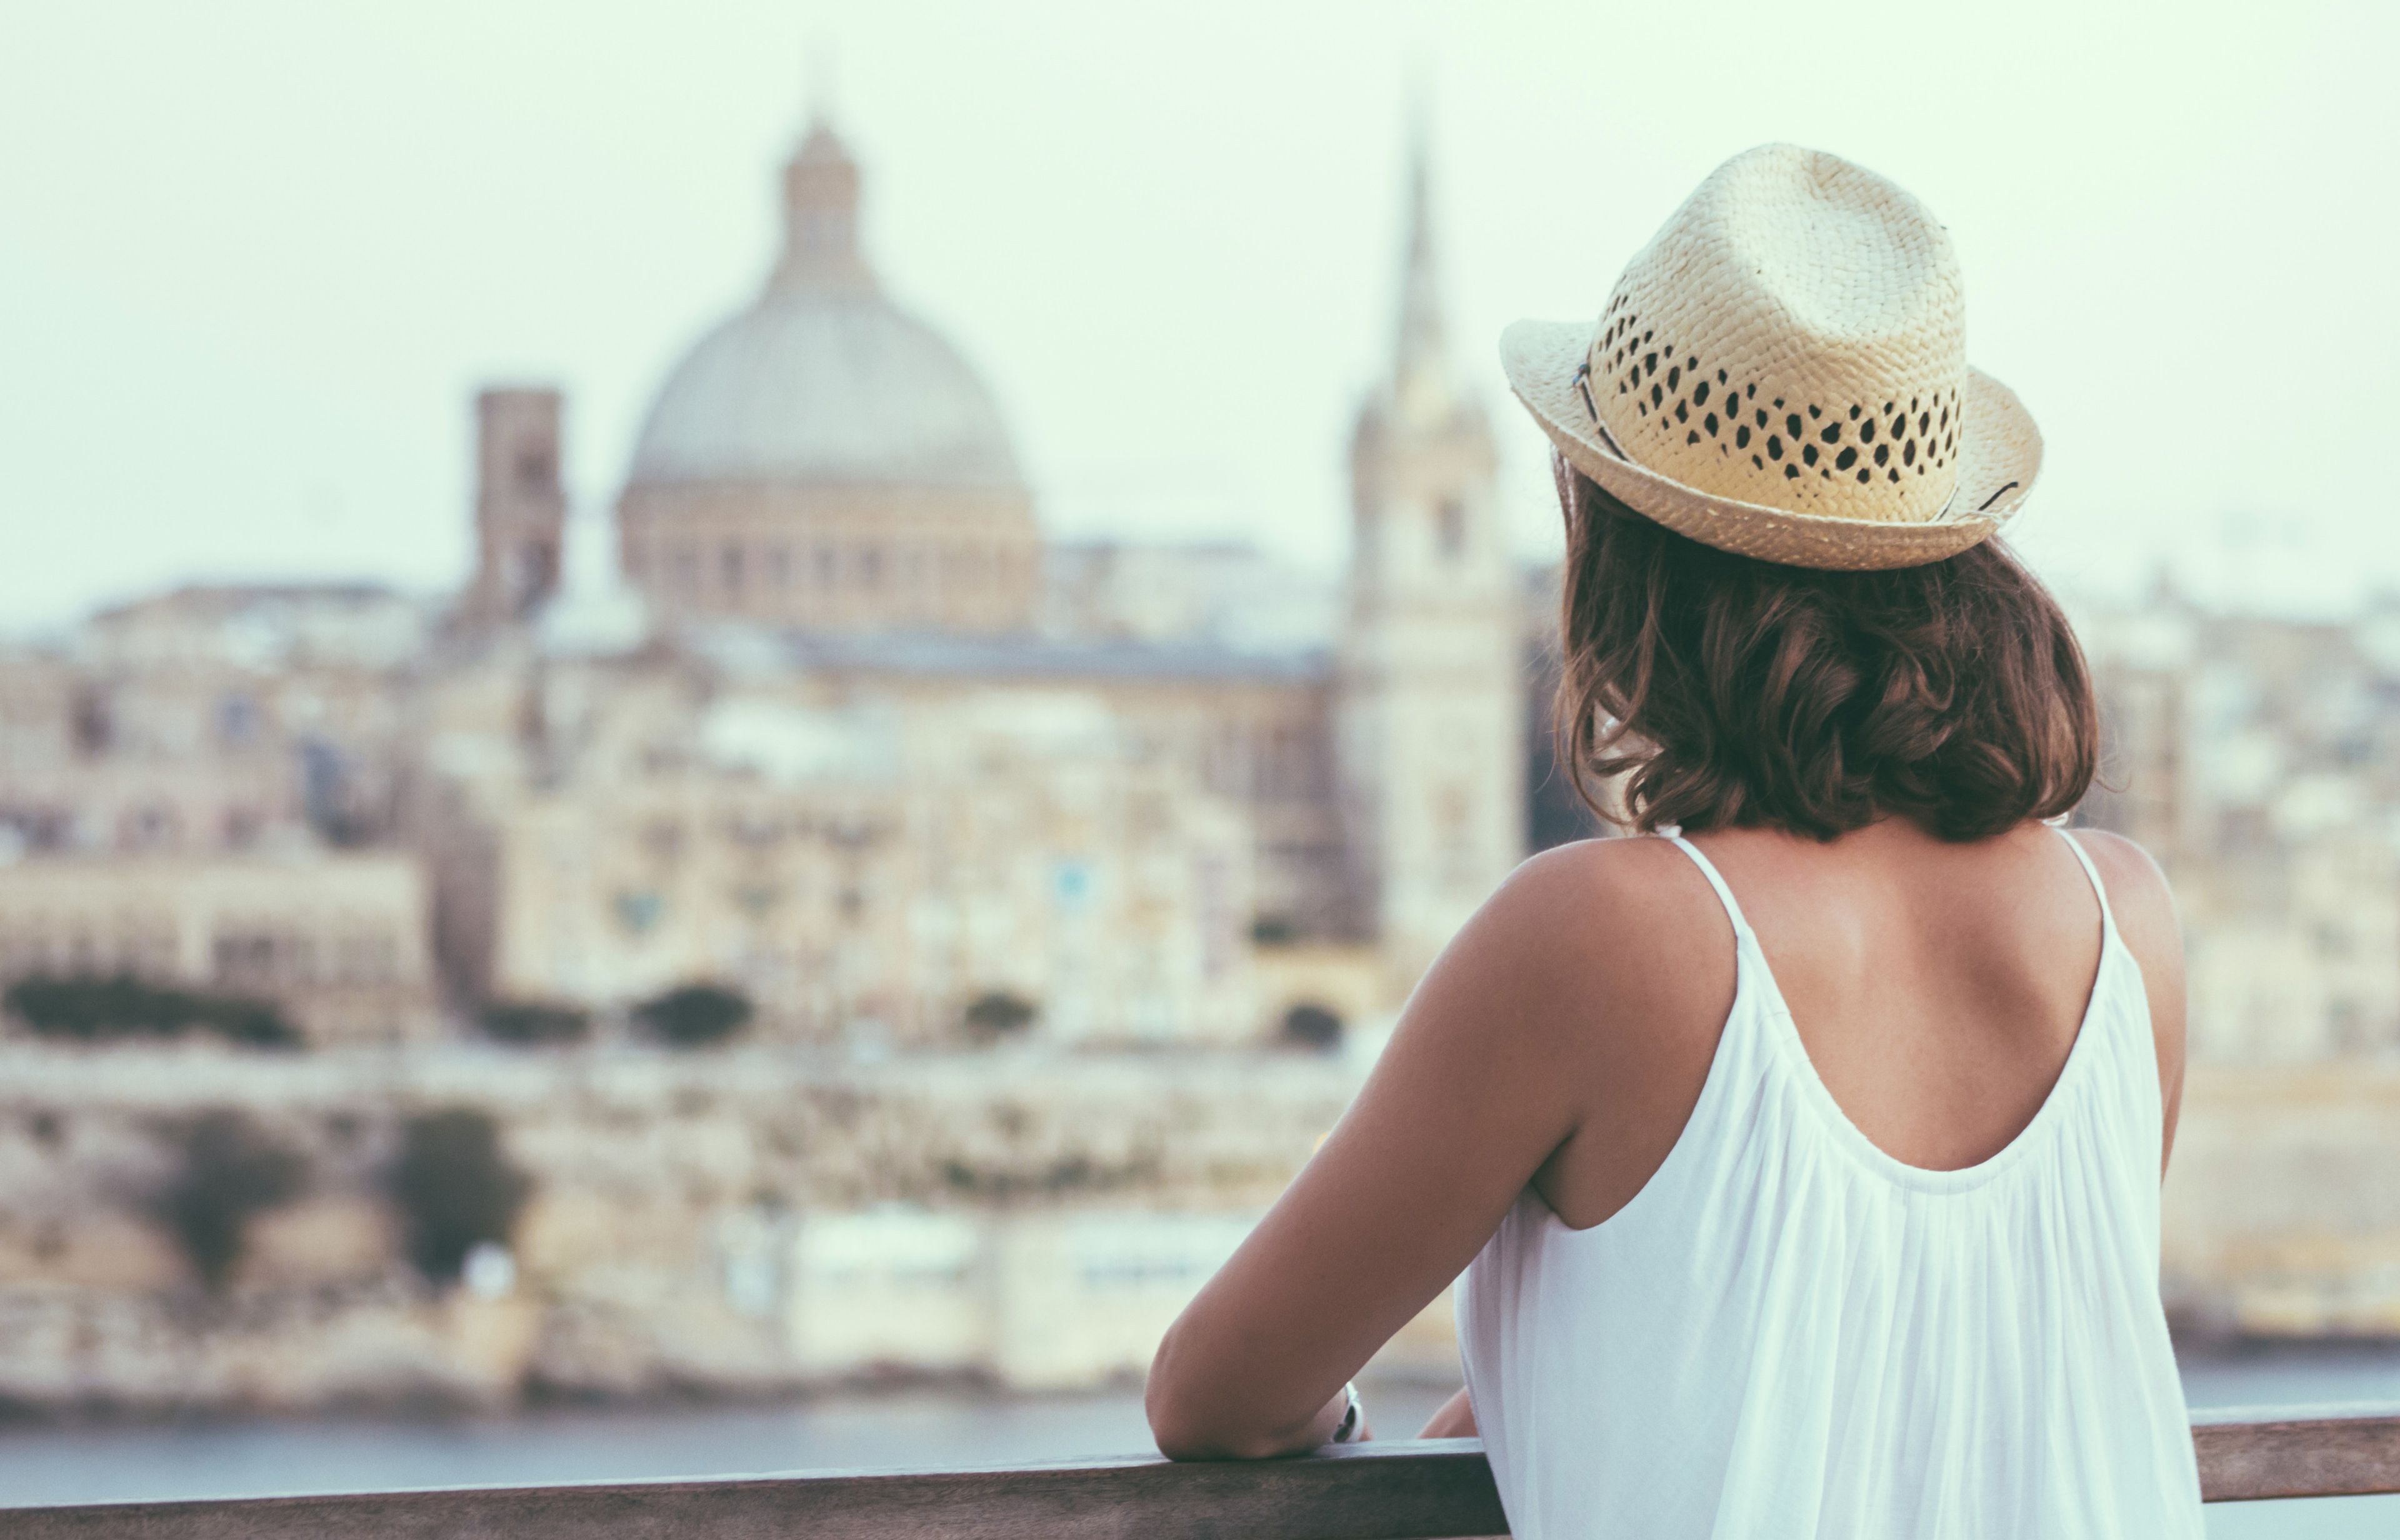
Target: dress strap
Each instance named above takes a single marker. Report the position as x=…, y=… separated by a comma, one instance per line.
x=1716, y=881
x=2108, y=918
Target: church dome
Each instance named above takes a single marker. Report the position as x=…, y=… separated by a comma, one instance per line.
x=823, y=379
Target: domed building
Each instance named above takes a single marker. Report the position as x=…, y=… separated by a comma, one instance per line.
x=823, y=461
x=828, y=473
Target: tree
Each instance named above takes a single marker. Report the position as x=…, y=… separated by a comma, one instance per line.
x=243, y=1021
x=1312, y=1027
x=697, y=1015
x=454, y=1188
x=227, y=1172
x=997, y=1013
x=89, y=1009
x=529, y=1023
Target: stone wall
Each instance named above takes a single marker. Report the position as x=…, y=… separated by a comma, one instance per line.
x=656, y=1178
x=2283, y=1207
x=701, y=1223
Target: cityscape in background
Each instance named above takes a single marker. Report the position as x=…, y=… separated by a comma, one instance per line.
x=810, y=929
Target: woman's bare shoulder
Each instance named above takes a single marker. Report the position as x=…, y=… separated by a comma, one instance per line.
x=1599, y=929
x=2145, y=908
x=2139, y=894
x=1628, y=885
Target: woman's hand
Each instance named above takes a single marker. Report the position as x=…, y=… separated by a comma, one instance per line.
x=1482, y=1080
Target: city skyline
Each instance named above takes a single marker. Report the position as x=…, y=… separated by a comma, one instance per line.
x=247, y=351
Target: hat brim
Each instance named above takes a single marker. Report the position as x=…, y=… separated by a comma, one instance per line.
x=1999, y=457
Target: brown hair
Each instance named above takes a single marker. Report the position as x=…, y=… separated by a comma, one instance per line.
x=1730, y=692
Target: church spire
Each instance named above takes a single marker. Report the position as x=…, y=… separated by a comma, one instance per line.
x=821, y=216
x=1421, y=382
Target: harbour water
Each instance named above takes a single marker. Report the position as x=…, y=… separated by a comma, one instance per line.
x=97, y=1463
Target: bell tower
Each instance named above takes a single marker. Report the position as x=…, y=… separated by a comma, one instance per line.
x=520, y=504
x=1430, y=739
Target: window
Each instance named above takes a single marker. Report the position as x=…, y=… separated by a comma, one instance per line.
x=663, y=840
x=639, y=912
x=1451, y=529
x=730, y=564
x=95, y=727
x=152, y=826
x=244, y=957
x=242, y=827
x=535, y=468
x=237, y=721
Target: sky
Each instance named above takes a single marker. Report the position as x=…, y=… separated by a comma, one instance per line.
x=256, y=256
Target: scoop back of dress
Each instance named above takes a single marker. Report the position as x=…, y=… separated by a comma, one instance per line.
x=1788, y=1331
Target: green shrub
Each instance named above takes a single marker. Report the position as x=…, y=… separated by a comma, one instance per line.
x=95, y=1009
x=1274, y=930
x=531, y=1023
x=697, y=1015
x=454, y=1188
x=997, y=1013
x=1312, y=1027
x=228, y=1171
x=247, y=1022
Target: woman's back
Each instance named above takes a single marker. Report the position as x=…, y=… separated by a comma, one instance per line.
x=1893, y=1271
x=1845, y=1226
x=1938, y=987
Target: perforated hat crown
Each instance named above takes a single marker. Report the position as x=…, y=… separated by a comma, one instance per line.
x=1783, y=373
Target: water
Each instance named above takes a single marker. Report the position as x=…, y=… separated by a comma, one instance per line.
x=217, y=1459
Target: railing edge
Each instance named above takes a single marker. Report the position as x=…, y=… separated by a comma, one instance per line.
x=1394, y=1490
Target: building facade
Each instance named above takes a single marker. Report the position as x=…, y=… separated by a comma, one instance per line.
x=520, y=504
x=1430, y=683
x=857, y=740
x=199, y=790
x=2255, y=757
x=823, y=459
x=337, y=938
x=826, y=525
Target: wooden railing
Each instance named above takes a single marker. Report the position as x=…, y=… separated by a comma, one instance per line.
x=1412, y=1491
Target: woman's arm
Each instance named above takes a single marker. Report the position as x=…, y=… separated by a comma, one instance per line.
x=1455, y=1420
x=2145, y=908
x=1479, y=1083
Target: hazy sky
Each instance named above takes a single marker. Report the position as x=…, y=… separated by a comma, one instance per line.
x=255, y=256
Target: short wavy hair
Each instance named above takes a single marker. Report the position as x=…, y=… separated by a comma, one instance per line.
x=1727, y=692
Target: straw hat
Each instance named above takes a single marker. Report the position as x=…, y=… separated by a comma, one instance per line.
x=1783, y=373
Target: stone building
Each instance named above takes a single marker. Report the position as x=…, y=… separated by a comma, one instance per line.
x=1429, y=692
x=826, y=529
x=337, y=939
x=865, y=867
x=2256, y=758
x=211, y=718
x=856, y=737
x=520, y=504
x=190, y=793
x=822, y=459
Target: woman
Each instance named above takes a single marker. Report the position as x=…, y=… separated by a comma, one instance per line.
x=1802, y=1164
